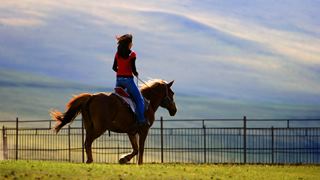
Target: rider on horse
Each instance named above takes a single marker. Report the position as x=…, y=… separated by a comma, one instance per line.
x=125, y=67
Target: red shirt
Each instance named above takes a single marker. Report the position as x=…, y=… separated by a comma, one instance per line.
x=125, y=64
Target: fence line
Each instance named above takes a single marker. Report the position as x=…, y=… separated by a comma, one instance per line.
x=280, y=145
x=288, y=123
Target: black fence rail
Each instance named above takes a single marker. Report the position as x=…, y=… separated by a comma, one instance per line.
x=267, y=145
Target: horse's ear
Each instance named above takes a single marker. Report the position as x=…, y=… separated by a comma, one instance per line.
x=170, y=84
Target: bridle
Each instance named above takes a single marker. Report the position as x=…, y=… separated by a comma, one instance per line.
x=166, y=101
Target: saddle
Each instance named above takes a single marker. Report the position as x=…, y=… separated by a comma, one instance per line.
x=127, y=99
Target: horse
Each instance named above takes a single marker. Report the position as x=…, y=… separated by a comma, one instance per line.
x=106, y=111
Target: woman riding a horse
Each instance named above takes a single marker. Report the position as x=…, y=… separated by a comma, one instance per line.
x=106, y=111
x=125, y=67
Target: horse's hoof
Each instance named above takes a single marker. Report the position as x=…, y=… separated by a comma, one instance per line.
x=89, y=161
x=123, y=160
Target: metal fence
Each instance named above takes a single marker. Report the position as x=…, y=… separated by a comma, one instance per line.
x=244, y=144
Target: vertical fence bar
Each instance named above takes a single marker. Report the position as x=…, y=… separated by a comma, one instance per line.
x=5, y=144
x=272, y=144
x=204, y=142
x=82, y=139
x=118, y=150
x=69, y=143
x=17, y=137
x=161, y=137
x=244, y=139
x=288, y=123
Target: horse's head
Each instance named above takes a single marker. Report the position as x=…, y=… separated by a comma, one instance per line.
x=163, y=94
x=167, y=100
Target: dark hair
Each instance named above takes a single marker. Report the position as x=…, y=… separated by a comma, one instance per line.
x=123, y=45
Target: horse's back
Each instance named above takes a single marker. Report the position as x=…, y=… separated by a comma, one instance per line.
x=103, y=94
x=103, y=104
x=108, y=112
x=109, y=101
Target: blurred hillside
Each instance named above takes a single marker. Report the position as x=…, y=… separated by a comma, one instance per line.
x=31, y=96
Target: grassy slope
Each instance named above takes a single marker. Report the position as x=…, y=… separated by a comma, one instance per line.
x=57, y=170
x=30, y=96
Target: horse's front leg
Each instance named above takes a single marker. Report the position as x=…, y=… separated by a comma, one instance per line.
x=142, y=138
x=134, y=143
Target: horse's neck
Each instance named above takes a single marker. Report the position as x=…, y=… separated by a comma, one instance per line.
x=154, y=102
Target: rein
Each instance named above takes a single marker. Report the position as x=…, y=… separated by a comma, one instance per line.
x=142, y=81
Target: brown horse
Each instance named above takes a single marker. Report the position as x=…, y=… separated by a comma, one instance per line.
x=106, y=111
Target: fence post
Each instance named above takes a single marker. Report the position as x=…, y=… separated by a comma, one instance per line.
x=272, y=144
x=69, y=143
x=17, y=137
x=244, y=139
x=5, y=144
x=82, y=139
x=118, y=150
x=288, y=121
x=161, y=137
x=204, y=142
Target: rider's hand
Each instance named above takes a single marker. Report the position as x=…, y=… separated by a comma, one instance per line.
x=136, y=74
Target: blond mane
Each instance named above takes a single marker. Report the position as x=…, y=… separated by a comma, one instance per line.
x=151, y=83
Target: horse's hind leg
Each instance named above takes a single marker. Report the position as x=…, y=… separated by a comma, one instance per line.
x=127, y=157
x=88, y=144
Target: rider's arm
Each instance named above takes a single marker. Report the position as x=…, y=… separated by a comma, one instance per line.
x=133, y=64
x=115, y=65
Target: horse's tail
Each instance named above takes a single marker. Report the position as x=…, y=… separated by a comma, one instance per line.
x=73, y=108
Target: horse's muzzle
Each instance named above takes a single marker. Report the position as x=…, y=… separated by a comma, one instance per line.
x=172, y=111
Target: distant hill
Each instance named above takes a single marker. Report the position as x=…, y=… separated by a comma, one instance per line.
x=31, y=96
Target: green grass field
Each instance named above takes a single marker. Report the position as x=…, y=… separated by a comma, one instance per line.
x=59, y=170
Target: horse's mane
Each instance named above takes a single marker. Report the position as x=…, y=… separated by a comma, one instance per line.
x=151, y=83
